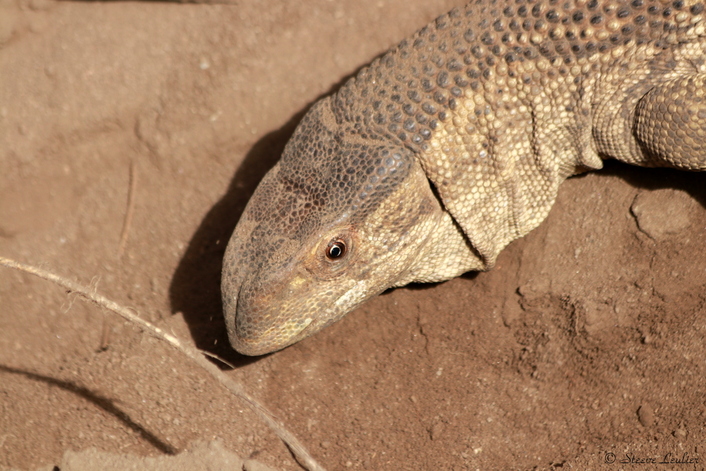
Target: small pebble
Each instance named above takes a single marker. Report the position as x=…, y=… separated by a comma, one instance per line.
x=646, y=415
x=663, y=213
x=680, y=432
x=436, y=430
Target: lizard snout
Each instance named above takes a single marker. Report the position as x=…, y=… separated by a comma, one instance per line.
x=266, y=317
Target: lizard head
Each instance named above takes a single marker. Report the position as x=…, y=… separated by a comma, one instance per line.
x=339, y=219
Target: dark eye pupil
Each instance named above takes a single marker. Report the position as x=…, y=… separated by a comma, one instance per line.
x=336, y=249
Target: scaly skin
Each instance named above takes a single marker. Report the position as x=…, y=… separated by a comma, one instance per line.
x=436, y=156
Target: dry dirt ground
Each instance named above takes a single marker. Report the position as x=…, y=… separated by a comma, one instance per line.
x=585, y=344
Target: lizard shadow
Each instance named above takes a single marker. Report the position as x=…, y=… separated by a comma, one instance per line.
x=657, y=178
x=195, y=287
x=469, y=275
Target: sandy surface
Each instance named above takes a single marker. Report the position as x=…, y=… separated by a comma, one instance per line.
x=587, y=338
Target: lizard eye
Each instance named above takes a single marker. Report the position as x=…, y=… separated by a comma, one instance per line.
x=336, y=249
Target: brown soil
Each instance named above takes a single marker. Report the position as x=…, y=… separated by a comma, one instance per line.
x=586, y=339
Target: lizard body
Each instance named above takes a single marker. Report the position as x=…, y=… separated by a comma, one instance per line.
x=431, y=160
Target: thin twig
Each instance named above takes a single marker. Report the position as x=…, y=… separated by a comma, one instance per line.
x=297, y=449
x=105, y=335
x=127, y=221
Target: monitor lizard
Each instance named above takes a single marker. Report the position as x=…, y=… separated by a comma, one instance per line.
x=433, y=158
